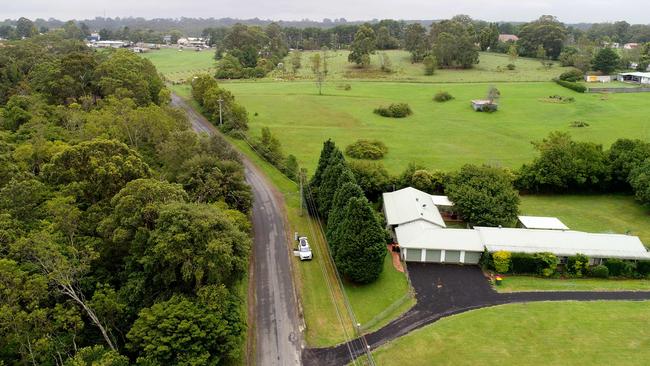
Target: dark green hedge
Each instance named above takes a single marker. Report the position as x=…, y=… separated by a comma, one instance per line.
x=573, y=86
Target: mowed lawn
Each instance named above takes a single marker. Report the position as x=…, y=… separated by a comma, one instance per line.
x=530, y=283
x=178, y=65
x=594, y=213
x=438, y=135
x=548, y=333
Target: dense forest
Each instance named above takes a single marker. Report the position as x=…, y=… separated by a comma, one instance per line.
x=124, y=236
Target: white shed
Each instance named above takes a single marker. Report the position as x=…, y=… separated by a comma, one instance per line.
x=541, y=222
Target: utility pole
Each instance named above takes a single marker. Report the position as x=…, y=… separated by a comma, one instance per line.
x=301, y=179
x=220, y=100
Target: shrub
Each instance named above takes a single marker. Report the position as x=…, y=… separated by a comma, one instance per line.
x=599, y=271
x=443, y=96
x=619, y=268
x=571, y=85
x=501, y=261
x=511, y=67
x=546, y=263
x=523, y=263
x=572, y=76
x=579, y=124
x=430, y=64
x=367, y=149
x=643, y=268
x=578, y=264
x=396, y=110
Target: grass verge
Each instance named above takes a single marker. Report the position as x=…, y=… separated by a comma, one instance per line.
x=531, y=283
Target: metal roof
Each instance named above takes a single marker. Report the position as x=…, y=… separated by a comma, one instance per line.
x=541, y=222
x=563, y=243
x=637, y=74
x=424, y=235
x=441, y=200
x=408, y=205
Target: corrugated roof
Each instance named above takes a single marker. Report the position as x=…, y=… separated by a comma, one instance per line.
x=541, y=222
x=637, y=74
x=424, y=235
x=408, y=205
x=441, y=200
x=563, y=243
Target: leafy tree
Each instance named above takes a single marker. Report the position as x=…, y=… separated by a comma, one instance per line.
x=16, y=112
x=455, y=49
x=296, y=61
x=25, y=28
x=606, y=61
x=547, y=32
x=565, y=165
x=624, y=155
x=415, y=41
x=640, y=181
x=184, y=331
x=489, y=37
x=484, y=195
x=385, y=41
x=319, y=69
x=513, y=53
x=229, y=67
x=95, y=170
x=359, y=242
x=97, y=355
x=193, y=245
x=23, y=199
x=372, y=177
x=430, y=64
x=208, y=179
x=363, y=45
x=125, y=74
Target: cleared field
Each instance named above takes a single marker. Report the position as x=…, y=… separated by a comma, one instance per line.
x=594, y=213
x=492, y=67
x=181, y=65
x=530, y=283
x=568, y=333
x=438, y=135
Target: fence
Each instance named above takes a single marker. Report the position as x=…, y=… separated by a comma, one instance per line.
x=618, y=90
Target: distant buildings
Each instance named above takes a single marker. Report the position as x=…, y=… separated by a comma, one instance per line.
x=508, y=38
x=109, y=44
x=192, y=42
x=635, y=77
x=630, y=46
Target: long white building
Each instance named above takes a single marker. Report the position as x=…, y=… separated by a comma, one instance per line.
x=417, y=226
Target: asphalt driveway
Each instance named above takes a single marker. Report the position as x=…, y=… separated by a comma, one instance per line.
x=443, y=290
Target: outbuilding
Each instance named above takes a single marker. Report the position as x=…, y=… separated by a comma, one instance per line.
x=541, y=222
x=635, y=77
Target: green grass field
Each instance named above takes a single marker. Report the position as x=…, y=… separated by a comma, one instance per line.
x=548, y=333
x=594, y=213
x=181, y=65
x=438, y=135
x=530, y=283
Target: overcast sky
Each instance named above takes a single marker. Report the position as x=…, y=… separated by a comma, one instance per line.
x=569, y=11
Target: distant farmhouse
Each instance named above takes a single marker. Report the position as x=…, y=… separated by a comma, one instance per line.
x=192, y=42
x=508, y=38
x=413, y=217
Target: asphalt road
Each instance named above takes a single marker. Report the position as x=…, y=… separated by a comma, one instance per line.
x=276, y=319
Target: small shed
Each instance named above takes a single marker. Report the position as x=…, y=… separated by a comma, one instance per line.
x=635, y=77
x=599, y=78
x=484, y=105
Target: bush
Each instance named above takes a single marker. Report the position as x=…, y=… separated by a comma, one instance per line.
x=619, y=268
x=579, y=124
x=430, y=64
x=501, y=261
x=511, y=67
x=546, y=263
x=523, y=263
x=571, y=85
x=577, y=265
x=398, y=110
x=599, y=271
x=367, y=149
x=443, y=97
x=572, y=76
x=643, y=268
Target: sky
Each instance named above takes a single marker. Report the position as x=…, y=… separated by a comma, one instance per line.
x=568, y=11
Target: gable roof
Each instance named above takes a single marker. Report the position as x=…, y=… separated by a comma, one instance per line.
x=563, y=243
x=408, y=205
x=541, y=222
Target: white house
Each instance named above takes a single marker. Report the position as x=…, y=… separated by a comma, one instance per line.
x=422, y=235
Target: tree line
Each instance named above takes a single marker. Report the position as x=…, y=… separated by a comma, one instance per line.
x=124, y=236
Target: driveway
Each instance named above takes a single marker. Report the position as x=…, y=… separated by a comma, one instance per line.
x=275, y=319
x=443, y=290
